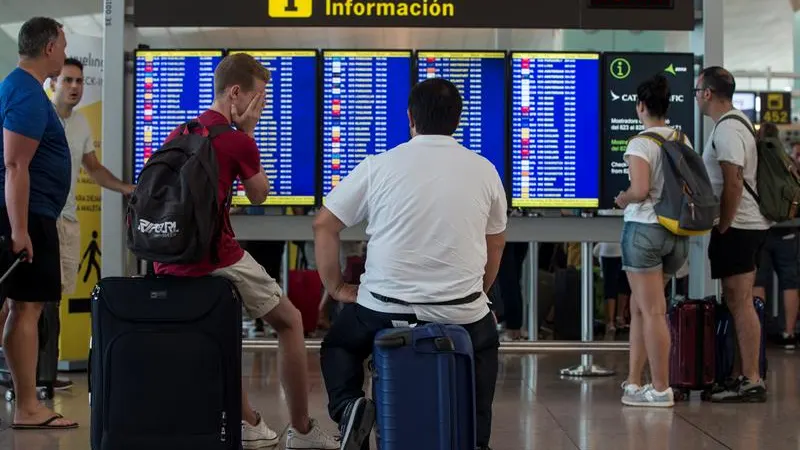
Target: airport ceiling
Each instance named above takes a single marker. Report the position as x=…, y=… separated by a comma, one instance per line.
x=757, y=34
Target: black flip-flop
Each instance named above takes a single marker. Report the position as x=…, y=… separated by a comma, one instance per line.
x=46, y=425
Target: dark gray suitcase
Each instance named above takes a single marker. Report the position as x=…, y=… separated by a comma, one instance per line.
x=166, y=364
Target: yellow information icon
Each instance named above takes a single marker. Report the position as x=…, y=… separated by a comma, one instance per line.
x=775, y=101
x=290, y=9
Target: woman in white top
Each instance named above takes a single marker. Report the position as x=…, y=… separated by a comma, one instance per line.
x=650, y=252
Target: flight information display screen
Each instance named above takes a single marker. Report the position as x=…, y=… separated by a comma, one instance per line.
x=171, y=87
x=555, y=130
x=365, y=99
x=746, y=103
x=287, y=132
x=481, y=79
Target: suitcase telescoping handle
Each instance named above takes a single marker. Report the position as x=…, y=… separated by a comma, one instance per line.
x=21, y=257
x=403, y=337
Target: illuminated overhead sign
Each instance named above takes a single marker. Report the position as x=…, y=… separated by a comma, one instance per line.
x=566, y=14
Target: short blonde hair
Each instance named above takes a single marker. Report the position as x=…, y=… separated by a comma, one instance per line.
x=241, y=69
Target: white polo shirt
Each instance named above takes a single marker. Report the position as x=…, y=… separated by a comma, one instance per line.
x=429, y=204
x=80, y=141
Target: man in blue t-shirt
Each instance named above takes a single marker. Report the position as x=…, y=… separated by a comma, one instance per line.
x=34, y=184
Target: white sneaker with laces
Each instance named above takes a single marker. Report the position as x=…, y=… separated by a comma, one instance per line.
x=649, y=397
x=315, y=439
x=259, y=436
x=629, y=390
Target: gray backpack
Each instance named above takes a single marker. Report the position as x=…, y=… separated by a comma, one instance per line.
x=688, y=206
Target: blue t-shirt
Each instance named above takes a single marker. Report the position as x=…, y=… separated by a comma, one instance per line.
x=26, y=110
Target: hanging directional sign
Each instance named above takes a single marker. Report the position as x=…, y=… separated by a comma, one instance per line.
x=776, y=107
x=553, y=14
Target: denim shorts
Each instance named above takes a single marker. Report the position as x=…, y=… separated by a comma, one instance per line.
x=647, y=247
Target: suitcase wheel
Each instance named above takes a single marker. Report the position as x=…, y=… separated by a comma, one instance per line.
x=45, y=393
x=42, y=393
x=682, y=395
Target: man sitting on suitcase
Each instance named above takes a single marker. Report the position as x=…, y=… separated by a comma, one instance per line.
x=437, y=217
x=239, y=84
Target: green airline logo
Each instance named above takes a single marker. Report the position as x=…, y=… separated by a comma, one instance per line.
x=671, y=70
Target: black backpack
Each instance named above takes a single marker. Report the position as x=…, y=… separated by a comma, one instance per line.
x=174, y=214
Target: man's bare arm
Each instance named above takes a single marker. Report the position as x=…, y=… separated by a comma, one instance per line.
x=495, y=243
x=326, y=249
x=102, y=176
x=732, y=190
x=257, y=187
x=18, y=153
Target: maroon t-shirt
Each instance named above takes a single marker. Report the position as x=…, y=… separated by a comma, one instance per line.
x=237, y=156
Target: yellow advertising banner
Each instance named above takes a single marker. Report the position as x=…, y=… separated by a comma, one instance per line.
x=75, y=309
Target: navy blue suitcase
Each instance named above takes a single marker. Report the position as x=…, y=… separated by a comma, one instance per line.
x=424, y=388
x=166, y=364
x=727, y=348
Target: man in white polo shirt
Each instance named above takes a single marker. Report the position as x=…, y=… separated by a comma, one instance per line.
x=67, y=93
x=436, y=215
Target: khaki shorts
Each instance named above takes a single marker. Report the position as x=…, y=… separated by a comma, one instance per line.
x=69, y=241
x=260, y=292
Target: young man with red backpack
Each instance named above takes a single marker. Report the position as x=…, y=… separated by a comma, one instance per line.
x=239, y=84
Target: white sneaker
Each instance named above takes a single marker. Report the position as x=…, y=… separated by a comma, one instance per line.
x=315, y=439
x=259, y=436
x=649, y=397
x=629, y=389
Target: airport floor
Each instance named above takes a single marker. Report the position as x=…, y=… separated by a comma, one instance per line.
x=534, y=409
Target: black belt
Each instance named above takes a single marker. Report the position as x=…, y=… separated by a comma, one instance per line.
x=459, y=301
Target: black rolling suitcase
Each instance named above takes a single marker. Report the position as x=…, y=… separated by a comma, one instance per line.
x=165, y=371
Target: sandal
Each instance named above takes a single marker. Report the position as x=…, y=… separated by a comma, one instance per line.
x=46, y=425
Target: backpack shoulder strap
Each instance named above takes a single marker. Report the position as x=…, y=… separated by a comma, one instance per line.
x=657, y=138
x=752, y=130
x=739, y=119
x=216, y=130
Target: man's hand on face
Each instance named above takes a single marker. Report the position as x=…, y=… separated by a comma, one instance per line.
x=247, y=120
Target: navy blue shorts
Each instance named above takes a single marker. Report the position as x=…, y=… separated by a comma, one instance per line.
x=780, y=256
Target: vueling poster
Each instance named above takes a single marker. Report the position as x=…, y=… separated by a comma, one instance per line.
x=75, y=316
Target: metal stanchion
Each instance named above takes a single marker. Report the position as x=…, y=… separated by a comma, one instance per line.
x=533, y=297
x=776, y=295
x=285, y=269
x=587, y=368
x=515, y=347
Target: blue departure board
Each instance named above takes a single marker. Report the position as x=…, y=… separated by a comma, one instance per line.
x=555, y=130
x=365, y=104
x=287, y=132
x=481, y=79
x=172, y=87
